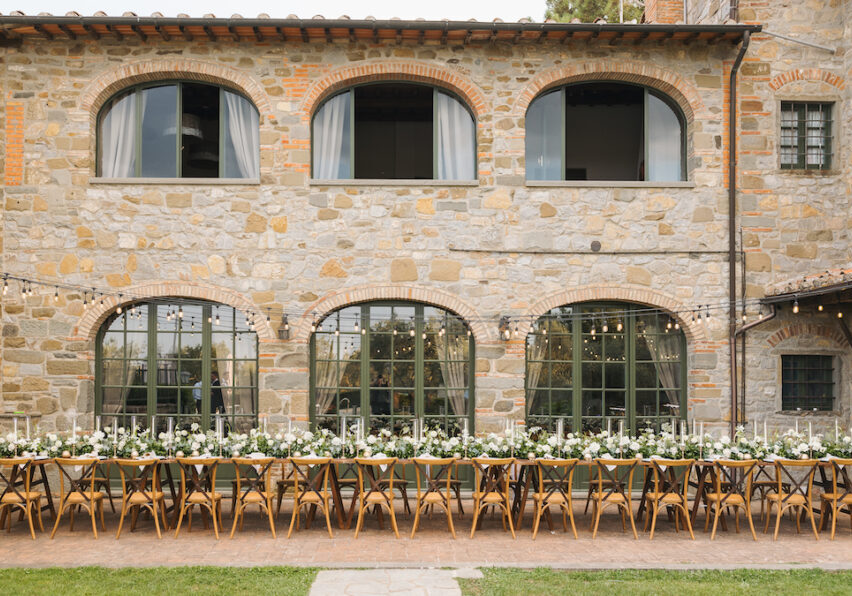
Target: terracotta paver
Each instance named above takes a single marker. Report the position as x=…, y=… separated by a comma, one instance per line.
x=431, y=547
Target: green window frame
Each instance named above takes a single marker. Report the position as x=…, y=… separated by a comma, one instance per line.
x=184, y=342
x=566, y=139
x=806, y=129
x=597, y=365
x=807, y=382
x=424, y=354
x=179, y=85
x=435, y=91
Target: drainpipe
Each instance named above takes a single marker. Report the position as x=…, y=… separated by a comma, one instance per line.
x=732, y=223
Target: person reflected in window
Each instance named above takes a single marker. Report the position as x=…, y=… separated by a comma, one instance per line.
x=196, y=393
x=217, y=403
x=380, y=397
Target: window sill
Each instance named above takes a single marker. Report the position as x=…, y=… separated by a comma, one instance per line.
x=608, y=184
x=810, y=173
x=178, y=181
x=809, y=413
x=383, y=182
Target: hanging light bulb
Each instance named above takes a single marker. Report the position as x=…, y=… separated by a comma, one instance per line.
x=819, y=308
x=423, y=335
x=795, y=307
x=677, y=325
x=839, y=314
x=85, y=303
x=313, y=326
x=118, y=310
x=337, y=332
x=218, y=320
x=669, y=324
x=605, y=326
x=411, y=332
x=180, y=312
x=192, y=322
x=31, y=291
x=210, y=317
x=442, y=330
x=516, y=329
x=286, y=322
x=356, y=325
x=619, y=327
x=395, y=331
x=6, y=286
x=56, y=294
x=594, y=330
x=268, y=320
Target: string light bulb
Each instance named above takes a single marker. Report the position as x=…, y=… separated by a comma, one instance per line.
x=356, y=325
x=795, y=307
x=605, y=327
x=819, y=308
x=56, y=294
x=180, y=312
x=839, y=314
x=6, y=285
x=218, y=320
x=619, y=326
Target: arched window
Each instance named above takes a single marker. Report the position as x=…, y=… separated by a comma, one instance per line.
x=204, y=358
x=394, y=131
x=390, y=362
x=604, y=131
x=179, y=130
x=598, y=365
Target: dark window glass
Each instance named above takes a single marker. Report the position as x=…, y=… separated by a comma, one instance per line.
x=807, y=382
x=806, y=135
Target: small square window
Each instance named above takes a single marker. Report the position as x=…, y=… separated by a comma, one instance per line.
x=806, y=135
x=807, y=382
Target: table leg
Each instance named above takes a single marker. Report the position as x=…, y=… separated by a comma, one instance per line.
x=336, y=497
x=646, y=486
x=527, y=473
x=699, y=492
x=48, y=497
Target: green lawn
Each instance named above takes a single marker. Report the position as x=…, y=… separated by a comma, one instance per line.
x=545, y=582
x=81, y=581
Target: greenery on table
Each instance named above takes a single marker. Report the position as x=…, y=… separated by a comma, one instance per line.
x=546, y=582
x=81, y=581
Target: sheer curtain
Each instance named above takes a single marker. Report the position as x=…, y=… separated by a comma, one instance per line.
x=664, y=141
x=243, y=138
x=456, y=140
x=536, y=351
x=453, y=371
x=328, y=374
x=332, y=125
x=665, y=349
x=544, y=133
x=118, y=139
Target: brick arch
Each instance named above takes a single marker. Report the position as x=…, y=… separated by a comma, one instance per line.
x=301, y=330
x=391, y=70
x=813, y=329
x=666, y=81
x=694, y=331
x=807, y=74
x=105, y=86
x=93, y=318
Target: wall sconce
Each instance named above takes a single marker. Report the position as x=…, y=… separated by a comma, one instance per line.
x=284, y=328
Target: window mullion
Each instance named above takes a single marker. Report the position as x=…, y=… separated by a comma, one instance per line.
x=419, y=326
x=206, y=370
x=434, y=134
x=802, y=136
x=577, y=365
x=221, y=123
x=351, y=134
x=365, y=365
x=151, y=401
x=179, y=131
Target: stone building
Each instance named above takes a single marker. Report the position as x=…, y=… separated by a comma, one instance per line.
x=483, y=222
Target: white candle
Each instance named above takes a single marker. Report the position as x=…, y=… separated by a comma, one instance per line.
x=754, y=427
x=465, y=428
x=28, y=428
x=765, y=431
x=115, y=430
x=560, y=430
x=97, y=423
x=171, y=428
x=609, y=426
x=797, y=426
x=15, y=427
x=836, y=434
x=620, y=430
x=74, y=430
x=701, y=430
x=133, y=425
x=265, y=424
x=289, y=425
x=810, y=430
x=683, y=433
x=153, y=426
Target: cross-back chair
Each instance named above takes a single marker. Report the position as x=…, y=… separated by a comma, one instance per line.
x=252, y=484
x=380, y=475
x=614, y=486
x=15, y=479
x=198, y=488
x=799, y=493
x=140, y=489
x=310, y=482
x=555, y=484
x=670, y=486
x=434, y=478
x=732, y=488
x=840, y=496
x=491, y=489
x=79, y=474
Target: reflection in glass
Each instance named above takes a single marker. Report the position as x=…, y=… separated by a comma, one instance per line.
x=544, y=133
x=159, y=132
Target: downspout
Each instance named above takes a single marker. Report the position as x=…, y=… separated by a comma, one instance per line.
x=732, y=223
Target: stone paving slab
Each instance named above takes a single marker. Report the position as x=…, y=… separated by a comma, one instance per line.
x=416, y=582
x=431, y=547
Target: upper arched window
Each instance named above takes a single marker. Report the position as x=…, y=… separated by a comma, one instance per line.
x=604, y=131
x=394, y=131
x=179, y=130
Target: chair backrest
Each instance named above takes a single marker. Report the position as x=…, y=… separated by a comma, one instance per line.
x=376, y=471
x=492, y=474
x=615, y=477
x=796, y=483
x=736, y=476
x=15, y=475
x=302, y=470
x=83, y=479
x=556, y=477
x=253, y=474
x=840, y=477
x=135, y=474
x=671, y=476
x=435, y=472
x=198, y=475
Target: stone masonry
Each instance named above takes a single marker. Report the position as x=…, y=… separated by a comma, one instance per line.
x=499, y=246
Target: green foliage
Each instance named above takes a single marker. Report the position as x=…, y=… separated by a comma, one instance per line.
x=589, y=10
x=545, y=582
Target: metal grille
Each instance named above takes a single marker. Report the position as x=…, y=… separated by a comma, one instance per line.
x=807, y=382
x=806, y=136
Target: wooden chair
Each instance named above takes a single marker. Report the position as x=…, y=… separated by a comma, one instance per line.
x=310, y=492
x=437, y=476
x=283, y=484
x=614, y=486
x=253, y=476
x=491, y=489
x=380, y=493
x=799, y=495
x=15, y=477
x=670, y=486
x=763, y=484
x=140, y=489
x=732, y=487
x=555, y=484
x=81, y=490
x=198, y=487
x=839, y=497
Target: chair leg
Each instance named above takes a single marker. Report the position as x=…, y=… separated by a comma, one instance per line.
x=215, y=521
x=416, y=519
x=655, y=511
x=328, y=519
x=269, y=515
x=536, y=519
x=629, y=511
x=58, y=517
x=598, y=508
x=121, y=518
x=361, y=511
x=94, y=519
x=238, y=512
x=718, y=512
x=293, y=518
x=507, y=508
x=393, y=519
x=180, y=519
x=778, y=521
x=476, y=510
x=813, y=521
x=834, y=512
x=101, y=510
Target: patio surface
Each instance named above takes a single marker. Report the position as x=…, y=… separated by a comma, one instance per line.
x=432, y=546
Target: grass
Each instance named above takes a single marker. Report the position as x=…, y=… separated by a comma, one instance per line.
x=80, y=581
x=545, y=582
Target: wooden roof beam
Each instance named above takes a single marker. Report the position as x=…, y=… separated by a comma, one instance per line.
x=234, y=35
x=258, y=35
x=281, y=35
x=163, y=33
x=138, y=32
x=186, y=34
x=115, y=32
x=43, y=31
x=305, y=38
x=207, y=30
x=92, y=32
x=690, y=38
x=328, y=38
x=617, y=39
x=642, y=37
x=67, y=31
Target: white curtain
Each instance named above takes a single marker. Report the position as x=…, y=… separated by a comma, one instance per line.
x=665, y=349
x=456, y=140
x=328, y=374
x=536, y=351
x=118, y=139
x=331, y=138
x=664, y=141
x=243, y=134
x=453, y=370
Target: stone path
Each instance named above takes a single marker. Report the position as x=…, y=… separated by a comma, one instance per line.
x=415, y=582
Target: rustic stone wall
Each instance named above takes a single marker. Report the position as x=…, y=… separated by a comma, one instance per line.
x=496, y=247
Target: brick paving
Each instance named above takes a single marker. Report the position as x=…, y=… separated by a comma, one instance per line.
x=432, y=546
